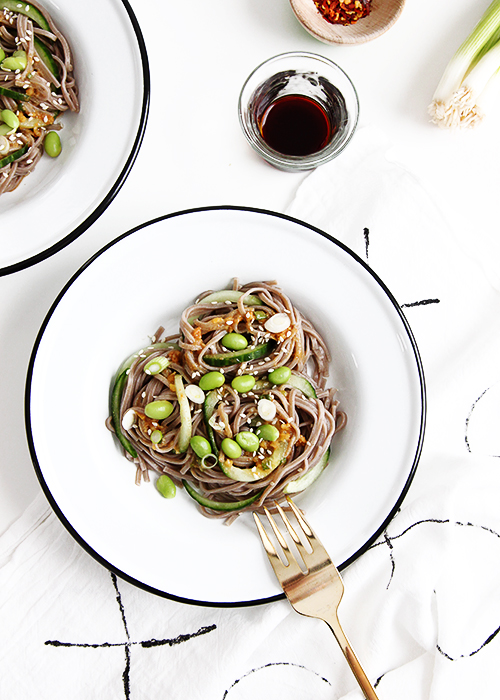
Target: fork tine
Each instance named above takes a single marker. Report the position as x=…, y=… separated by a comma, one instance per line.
x=273, y=556
x=312, y=538
x=306, y=532
x=268, y=545
x=301, y=519
x=279, y=536
x=281, y=569
x=288, y=524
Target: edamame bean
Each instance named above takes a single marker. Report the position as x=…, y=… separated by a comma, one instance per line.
x=234, y=341
x=243, y=383
x=231, y=448
x=211, y=380
x=21, y=57
x=201, y=446
x=280, y=375
x=247, y=440
x=267, y=432
x=5, y=129
x=166, y=486
x=52, y=145
x=2, y=54
x=17, y=61
x=158, y=409
x=10, y=118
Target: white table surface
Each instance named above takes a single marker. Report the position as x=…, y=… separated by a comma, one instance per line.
x=200, y=53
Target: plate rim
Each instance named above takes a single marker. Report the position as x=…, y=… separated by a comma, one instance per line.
x=115, y=188
x=29, y=377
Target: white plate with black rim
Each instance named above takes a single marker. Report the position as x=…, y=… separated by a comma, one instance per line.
x=150, y=274
x=62, y=197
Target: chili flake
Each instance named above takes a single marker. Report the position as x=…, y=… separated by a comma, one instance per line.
x=343, y=11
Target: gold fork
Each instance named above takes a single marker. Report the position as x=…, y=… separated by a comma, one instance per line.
x=315, y=592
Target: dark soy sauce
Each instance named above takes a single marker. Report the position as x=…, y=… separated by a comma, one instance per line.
x=296, y=125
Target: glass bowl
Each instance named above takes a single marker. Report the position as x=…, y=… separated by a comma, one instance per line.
x=310, y=78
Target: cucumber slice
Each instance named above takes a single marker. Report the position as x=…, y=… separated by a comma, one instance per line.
x=24, y=8
x=279, y=454
x=45, y=56
x=146, y=351
x=304, y=481
x=13, y=156
x=186, y=428
x=14, y=94
x=243, y=475
x=231, y=295
x=211, y=401
x=227, y=295
x=218, y=505
x=305, y=386
x=235, y=473
x=116, y=397
x=226, y=359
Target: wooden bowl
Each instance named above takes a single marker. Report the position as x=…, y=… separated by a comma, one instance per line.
x=383, y=15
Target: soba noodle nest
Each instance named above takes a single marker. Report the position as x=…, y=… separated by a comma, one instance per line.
x=47, y=95
x=306, y=423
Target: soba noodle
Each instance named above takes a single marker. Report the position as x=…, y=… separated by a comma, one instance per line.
x=302, y=409
x=36, y=93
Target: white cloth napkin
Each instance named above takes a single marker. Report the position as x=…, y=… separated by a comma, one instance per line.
x=421, y=606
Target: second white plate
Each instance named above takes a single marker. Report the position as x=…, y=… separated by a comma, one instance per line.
x=64, y=196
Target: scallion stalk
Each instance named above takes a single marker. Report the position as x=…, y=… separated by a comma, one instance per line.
x=456, y=101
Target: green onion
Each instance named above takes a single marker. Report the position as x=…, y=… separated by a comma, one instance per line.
x=156, y=437
x=156, y=365
x=185, y=412
x=458, y=99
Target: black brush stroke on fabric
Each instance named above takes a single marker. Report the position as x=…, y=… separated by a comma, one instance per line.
x=269, y=665
x=422, y=302
x=467, y=420
x=388, y=540
x=145, y=644
x=472, y=653
x=366, y=236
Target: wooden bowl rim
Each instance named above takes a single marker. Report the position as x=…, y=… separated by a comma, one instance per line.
x=384, y=13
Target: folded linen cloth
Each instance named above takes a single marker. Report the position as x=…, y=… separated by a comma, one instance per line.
x=421, y=606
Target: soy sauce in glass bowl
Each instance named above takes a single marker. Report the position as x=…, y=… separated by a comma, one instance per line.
x=298, y=110
x=296, y=125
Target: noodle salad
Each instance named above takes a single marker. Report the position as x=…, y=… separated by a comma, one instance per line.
x=36, y=86
x=234, y=407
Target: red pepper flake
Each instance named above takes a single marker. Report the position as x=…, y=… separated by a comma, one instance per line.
x=342, y=11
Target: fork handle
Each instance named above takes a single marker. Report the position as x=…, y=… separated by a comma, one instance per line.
x=365, y=685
